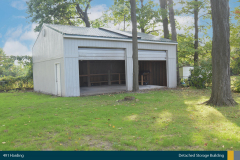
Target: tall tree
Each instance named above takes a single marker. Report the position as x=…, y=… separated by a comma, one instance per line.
x=134, y=46
x=142, y=27
x=221, y=91
x=174, y=32
x=172, y=20
x=83, y=14
x=163, y=5
x=194, y=7
x=196, y=10
x=67, y=12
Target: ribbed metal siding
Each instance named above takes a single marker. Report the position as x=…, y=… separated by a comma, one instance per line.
x=101, y=54
x=151, y=55
x=44, y=76
x=72, y=77
x=47, y=51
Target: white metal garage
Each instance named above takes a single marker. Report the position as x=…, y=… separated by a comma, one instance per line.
x=76, y=48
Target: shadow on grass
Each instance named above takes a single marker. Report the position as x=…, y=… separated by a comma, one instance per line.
x=182, y=122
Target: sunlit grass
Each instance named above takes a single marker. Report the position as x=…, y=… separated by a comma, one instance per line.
x=160, y=120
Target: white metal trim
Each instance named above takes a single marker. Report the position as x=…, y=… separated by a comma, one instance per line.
x=44, y=60
x=167, y=68
x=101, y=58
x=118, y=32
x=55, y=71
x=152, y=59
x=115, y=39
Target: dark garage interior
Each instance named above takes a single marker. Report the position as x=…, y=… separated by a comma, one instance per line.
x=97, y=73
x=108, y=72
x=153, y=73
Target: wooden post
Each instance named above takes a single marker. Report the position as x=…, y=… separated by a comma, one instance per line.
x=142, y=80
x=150, y=75
x=119, y=78
x=88, y=70
x=109, y=77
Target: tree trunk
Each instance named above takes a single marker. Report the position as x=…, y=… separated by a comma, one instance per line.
x=174, y=32
x=83, y=14
x=142, y=28
x=221, y=91
x=196, y=10
x=163, y=5
x=134, y=46
x=86, y=20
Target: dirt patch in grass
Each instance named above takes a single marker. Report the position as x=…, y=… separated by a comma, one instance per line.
x=98, y=144
x=178, y=148
x=48, y=149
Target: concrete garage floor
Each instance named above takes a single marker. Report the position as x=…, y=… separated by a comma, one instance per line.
x=106, y=89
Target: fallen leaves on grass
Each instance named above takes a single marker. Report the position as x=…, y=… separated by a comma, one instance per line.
x=205, y=144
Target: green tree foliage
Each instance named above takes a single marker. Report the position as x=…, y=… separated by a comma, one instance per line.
x=18, y=75
x=67, y=12
x=194, y=7
x=201, y=76
x=147, y=13
x=186, y=47
x=7, y=67
x=235, y=43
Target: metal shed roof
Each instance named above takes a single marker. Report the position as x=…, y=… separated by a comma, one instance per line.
x=103, y=33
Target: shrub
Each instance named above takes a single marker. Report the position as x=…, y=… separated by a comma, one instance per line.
x=236, y=85
x=184, y=82
x=201, y=76
x=20, y=82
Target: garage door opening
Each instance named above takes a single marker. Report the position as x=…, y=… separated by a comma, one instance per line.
x=152, y=73
x=101, y=76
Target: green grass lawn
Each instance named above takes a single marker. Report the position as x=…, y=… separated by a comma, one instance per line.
x=158, y=120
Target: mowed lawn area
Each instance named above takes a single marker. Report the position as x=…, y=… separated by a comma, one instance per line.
x=158, y=120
